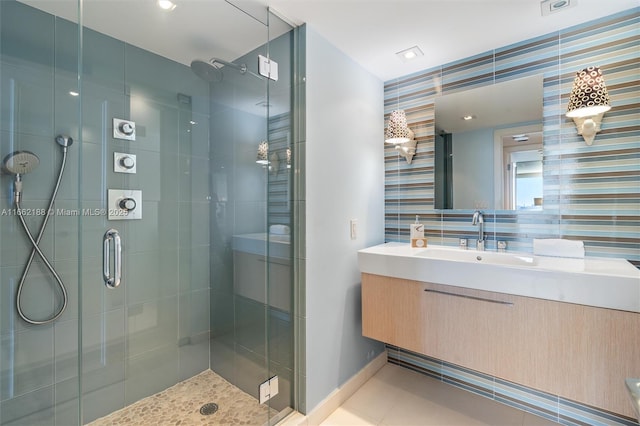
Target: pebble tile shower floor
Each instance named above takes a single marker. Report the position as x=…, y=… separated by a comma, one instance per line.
x=180, y=405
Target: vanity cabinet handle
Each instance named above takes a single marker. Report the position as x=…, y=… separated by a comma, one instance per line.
x=499, y=302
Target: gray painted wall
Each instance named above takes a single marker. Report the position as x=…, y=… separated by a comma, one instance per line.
x=344, y=181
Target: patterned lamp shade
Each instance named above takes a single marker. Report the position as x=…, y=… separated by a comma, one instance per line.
x=397, y=130
x=263, y=153
x=589, y=95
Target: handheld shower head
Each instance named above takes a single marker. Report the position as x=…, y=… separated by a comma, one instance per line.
x=20, y=162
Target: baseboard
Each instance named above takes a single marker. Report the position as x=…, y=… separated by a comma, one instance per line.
x=336, y=398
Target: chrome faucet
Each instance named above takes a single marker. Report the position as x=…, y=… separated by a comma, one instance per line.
x=478, y=219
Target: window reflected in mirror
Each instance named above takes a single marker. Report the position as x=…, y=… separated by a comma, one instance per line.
x=481, y=137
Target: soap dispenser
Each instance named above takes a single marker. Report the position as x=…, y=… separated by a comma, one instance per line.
x=417, y=234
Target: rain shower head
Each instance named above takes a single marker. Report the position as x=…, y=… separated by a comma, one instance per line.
x=206, y=71
x=20, y=162
x=209, y=70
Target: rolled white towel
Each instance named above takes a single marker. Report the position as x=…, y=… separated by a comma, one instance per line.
x=279, y=230
x=558, y=247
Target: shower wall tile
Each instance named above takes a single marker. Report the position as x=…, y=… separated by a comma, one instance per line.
x=250, y=370
x=249, y=217
x=194, y=356
x=34, y=408
x=14, y=243
x=250, y=330
x=103, y=61
x=67, y=402
x=194, y=220
x=221, y=349
x=151, y=276
x=98, y=402
x=29, y=97
x=194, y=269
x=19, y=41
x=199, y=132
x=37, y=294
x=27, y=361
x=156, y=125
x=66, y=118
x=64, y=222
x=103, y=348
x=194, y=315
x=196, y=171
x=99, y=106
x=68, y=272
x=66, y=350
x=151, y=372
x=148, y=177
x=96, y=297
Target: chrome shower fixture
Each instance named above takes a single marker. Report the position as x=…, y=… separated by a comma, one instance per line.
x=19, y=163
x=64, y=141
x=211, y=70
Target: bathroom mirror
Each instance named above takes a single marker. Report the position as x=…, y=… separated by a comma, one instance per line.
x=488, y=147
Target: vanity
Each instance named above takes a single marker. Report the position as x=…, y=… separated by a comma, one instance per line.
x=569, y=327
x=254, y=256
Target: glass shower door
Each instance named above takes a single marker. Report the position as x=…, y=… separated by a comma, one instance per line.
x=39, y=309
x=146, y=170
x=160, y=182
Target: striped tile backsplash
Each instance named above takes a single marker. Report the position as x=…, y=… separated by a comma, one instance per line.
x=591, y=193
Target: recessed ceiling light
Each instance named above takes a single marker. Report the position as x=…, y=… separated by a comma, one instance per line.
x=551, y=6
x=72, y=93
x=468, y=117
x=166, y=4
x=409, y=54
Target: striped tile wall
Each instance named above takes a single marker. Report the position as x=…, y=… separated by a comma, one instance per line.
x=591, y=193
x=551, y=407
x=279, y=188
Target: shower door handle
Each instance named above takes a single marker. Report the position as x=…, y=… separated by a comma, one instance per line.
x=109, y=281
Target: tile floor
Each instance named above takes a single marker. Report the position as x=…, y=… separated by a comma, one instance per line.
x=180, y=405
x=396, y=396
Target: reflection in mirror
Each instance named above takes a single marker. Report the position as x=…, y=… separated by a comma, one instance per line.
x=488, y=147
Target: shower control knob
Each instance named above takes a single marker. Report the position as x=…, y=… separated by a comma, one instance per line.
x=127, y=204
x=127, y=162
x=126, y=128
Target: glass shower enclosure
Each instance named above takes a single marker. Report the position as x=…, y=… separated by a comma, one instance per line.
x=145, y=219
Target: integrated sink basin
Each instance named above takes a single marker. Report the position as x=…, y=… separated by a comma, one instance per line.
x=478, y=256
x=601, y=282
x=633, y=386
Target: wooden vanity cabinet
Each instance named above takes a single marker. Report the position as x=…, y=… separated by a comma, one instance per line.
x=578, y=352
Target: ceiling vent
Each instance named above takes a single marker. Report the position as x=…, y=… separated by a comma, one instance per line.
x=549, y=7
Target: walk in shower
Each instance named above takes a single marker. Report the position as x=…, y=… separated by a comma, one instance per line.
x=145, y=212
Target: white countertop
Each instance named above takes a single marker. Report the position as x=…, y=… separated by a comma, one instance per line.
x=600, y=282
x=256, y=243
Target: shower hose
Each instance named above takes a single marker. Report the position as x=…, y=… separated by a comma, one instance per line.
x=36, y=249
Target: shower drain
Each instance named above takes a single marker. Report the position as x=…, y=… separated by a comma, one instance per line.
x=209, y=409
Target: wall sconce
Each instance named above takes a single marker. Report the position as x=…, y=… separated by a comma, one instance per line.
x=263, y=153
x=399, y=134
x=272, y=161
x=588, y=102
